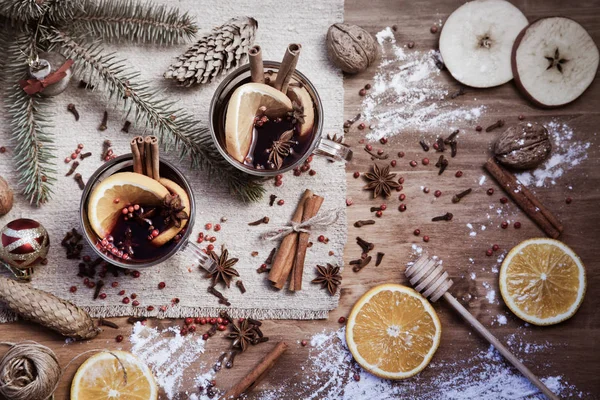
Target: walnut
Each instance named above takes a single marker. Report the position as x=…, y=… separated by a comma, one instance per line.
x=351, y=48
x=6, y=197
x=523, y=146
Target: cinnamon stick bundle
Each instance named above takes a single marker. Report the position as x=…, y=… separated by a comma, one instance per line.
x=155, y=157
x=284, y=259
x=137, y=157
x=250, y=380
x=257, y=69
x=525, y=199
x=148, y=156
x=287, y=67
x=311, y=208
x=140, y=144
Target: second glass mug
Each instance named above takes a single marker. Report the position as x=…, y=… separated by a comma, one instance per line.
x=191, y=250
x=319, y=145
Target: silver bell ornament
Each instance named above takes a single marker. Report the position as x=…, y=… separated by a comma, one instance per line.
x=49, y=74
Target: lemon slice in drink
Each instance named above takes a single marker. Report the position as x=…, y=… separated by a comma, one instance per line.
x=393, y=331
x=542, y=281
x=117, y=191
x=101, y=377
x=241, y=110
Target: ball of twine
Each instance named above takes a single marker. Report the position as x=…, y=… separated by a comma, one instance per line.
x=28, y=371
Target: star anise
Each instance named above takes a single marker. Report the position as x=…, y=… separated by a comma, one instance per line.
x=297, y=112
x=337, y=139
x=242, y=334
x=172, y=211
x=329, y=277
x=224, y=271
x=381, y=181
x=556, y=61
x=281, y=148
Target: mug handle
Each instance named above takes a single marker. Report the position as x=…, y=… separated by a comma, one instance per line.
x=333, y=150
x=195, y=253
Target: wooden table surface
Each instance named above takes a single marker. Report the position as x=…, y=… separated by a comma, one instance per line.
x=575, y=343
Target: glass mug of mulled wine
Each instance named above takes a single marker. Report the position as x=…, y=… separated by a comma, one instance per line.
x=264, y=132
x=134, y=221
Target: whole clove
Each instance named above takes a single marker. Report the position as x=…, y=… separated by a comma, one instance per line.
x=71, y=243
x=379, y=258
x=373, y=209
x=364, y=245
x=459, y=92
x=240, y=285
x=106, y=145
x=103, y=124
x=451, y=137
x=225, y=315
x=348, y=124
x=229, y=363
x=110, y=324
x=453, y=148
x=79, y=181
x=83, y=156
x=446, y=217
x=424, y=145
x=457, y=197
x=99, y=286
x=73, y=168
x=375, y=156
x=219, y=295
x=364, y=222
x=71, y=108
x=497, y=124
x=133, y=320
x=126, y=127
x=269, y=259
x=263, y=220
x=360, y=263
x=219, y=363
x=441, y=144
x=439, y=62
x=442, y=164
x=272, y=200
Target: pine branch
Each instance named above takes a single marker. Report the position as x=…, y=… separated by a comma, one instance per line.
x=63, y=10
x=132, y=20
x=28, y=120
x=177, y=130
x=22, y=10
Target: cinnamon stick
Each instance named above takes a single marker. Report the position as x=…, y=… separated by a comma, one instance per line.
x=250, y=380
x=287, y=67
x=311, y=208
x=140, y=145
x=525, y=199
x=155, y=157
x=257, y=69
x=148, y=156
x=284, y=259
x=137, y=158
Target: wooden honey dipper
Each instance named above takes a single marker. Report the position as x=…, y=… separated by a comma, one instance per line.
x=428, y=277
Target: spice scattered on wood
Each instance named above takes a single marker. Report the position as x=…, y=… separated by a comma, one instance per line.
x=457, y=197
x=361, y=223
x=441, y=146
x=375, y=156
x=364, y=245
x=110, y=324
x=126, y=127
x=380, y=181
x=424, y=145
x=446, y=217
x=379, y=258
x=451, y=137
x=453, y=148
x=79, y=181
x=348, y=124
x=73, y=110
x=103, y=124
x=496, y=125
x=360, y=263
x=263, y=220
x=73, y=168
x=133, y=320
x=442, y=164
x=458, y=93
x=222, y=299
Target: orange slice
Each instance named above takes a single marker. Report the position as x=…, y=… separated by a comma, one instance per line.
x=301, y=96
x=241, y=110
x=393, y=331
x=171, y=232
x=101, y=377
x=542, y=281
x=129, y=188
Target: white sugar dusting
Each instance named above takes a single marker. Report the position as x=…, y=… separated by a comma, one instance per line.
x=330, y=373
x=566, y=154
x=406, y=94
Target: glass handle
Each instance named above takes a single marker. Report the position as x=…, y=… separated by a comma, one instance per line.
x=195, y=253
x=333, y=150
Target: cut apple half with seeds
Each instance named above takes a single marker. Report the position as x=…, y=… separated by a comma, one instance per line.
x=477, y=40
x=554, y=60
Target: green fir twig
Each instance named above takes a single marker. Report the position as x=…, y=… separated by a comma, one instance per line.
x=175, y=128
x=22, y=10
x=132, y=20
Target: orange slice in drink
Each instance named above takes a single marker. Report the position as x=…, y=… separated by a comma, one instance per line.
x=393, y=331
x=241, y=110
x=173, y=230
x=104, y=376
x=542, y=281
x=117, y=191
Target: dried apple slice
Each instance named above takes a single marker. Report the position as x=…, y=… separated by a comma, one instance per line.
x=554, y=60
x=172, y=231
x=241, y=110
x=477, y=39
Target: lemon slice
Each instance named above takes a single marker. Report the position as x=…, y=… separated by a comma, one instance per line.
x=393, y=331
x=101, y=377
x=542, y=281
x=129, y=188
x=241, y=110
x=301, y=96
x=172, y=231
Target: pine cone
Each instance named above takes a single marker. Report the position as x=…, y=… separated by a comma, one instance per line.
x=47, y=310
x=217, y=52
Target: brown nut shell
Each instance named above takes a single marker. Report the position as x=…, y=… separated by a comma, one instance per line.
x=351, y=48
x=523, y=146
x=6, y=197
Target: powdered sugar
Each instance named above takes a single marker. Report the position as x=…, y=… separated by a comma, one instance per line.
x=566, y=154
x=407, y=94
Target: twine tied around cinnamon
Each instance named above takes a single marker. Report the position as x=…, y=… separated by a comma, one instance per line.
x=321, y=220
